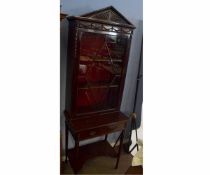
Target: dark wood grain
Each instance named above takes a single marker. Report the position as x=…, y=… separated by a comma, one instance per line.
x=63, y=16
x=95, y=121
x=96, y=69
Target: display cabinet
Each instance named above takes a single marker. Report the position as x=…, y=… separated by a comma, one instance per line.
x=98, y=52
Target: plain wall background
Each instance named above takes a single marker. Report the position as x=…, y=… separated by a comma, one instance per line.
x=133, y=11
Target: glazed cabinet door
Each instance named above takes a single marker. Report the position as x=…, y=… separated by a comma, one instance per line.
x=99, y=73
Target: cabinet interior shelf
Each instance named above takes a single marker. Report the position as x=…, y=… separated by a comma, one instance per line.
x=98, y=86
x=102, y=59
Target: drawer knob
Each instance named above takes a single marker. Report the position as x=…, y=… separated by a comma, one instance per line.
x=112, y=127
x=92, y=133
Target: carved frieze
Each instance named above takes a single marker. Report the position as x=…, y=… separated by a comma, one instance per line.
x=103, y=27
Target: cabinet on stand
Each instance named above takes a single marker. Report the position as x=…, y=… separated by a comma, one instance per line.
x=98, y=52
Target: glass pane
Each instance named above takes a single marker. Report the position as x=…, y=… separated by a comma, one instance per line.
x=99, y=73
x=95, y=47
x=100, y=68
x=95, y=99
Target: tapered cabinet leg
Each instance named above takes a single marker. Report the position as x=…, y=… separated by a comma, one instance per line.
x=120, y=148
x=77, y=155
x=106, y=137
x=66, y=142
x=77, y=148
x=117, y=140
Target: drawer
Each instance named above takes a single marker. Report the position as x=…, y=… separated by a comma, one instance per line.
x=101, y=131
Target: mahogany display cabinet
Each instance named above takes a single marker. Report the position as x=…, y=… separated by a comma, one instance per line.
x=97, y=58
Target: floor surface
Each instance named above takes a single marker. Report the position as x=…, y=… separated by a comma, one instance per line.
x=102, y=165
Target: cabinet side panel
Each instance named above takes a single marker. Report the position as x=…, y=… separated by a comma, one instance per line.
x=70, y=67
x=124, y=71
